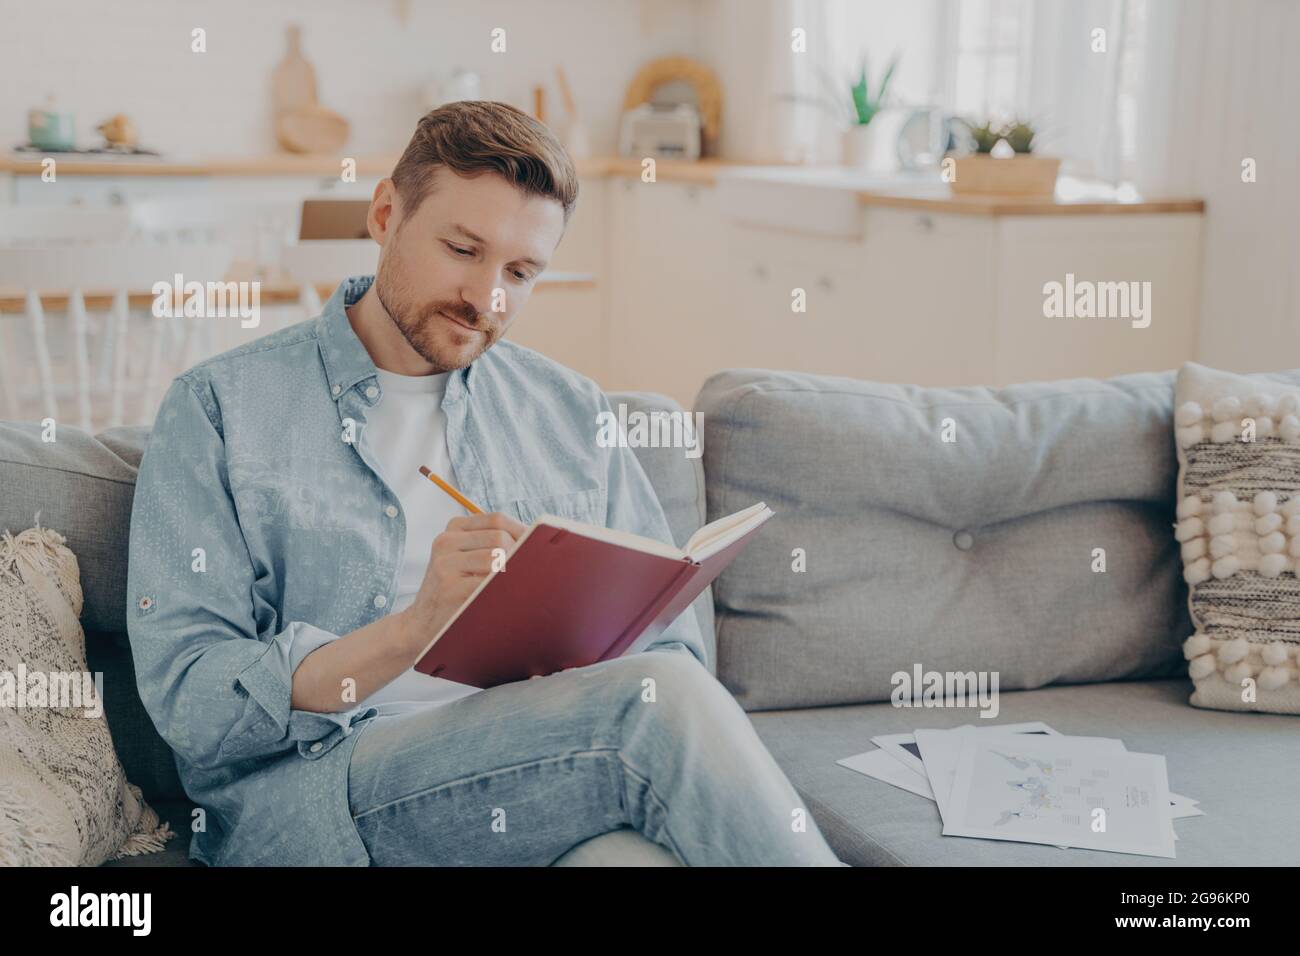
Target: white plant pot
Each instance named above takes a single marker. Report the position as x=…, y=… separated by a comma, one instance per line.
x=860, y=146
x=873, y=147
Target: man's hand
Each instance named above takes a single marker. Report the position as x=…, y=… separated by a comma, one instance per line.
x=460, y=559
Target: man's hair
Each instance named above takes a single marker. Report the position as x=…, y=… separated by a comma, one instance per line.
x=477, y=136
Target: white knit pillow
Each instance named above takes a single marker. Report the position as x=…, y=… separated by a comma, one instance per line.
x=64, y=800
x=1238, y=442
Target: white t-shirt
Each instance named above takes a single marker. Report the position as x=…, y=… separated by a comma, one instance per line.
x=405, y=430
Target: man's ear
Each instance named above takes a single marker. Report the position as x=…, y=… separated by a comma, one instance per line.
x=384, y=213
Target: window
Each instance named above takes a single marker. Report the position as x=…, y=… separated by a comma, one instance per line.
x=1014, y=59
x=989, y=58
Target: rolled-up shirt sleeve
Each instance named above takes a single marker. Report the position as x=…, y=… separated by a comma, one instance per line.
x=632, y=505
x=217, y=690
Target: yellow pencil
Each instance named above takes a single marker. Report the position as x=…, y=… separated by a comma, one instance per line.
x=464, y=502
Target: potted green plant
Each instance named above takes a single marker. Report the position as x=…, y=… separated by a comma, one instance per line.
x=865, y=143
x=1004, y=163
x=862, y=140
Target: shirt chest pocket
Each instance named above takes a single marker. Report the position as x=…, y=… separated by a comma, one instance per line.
x=587, y=506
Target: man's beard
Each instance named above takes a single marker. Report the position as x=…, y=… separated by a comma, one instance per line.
x=416, y=323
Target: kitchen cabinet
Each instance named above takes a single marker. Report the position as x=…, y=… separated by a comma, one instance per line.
x=917, y=297
x=673, y=300
x=888, y=306
x=1164, y=250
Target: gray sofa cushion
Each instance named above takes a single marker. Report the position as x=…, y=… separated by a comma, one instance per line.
x=82, y=486
x=1237, y=765
x=970, y=555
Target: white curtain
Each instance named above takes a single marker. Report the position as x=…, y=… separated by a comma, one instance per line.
x=1218, y=99
x=1073, y=89
x=757, y=67
x=1069, y=89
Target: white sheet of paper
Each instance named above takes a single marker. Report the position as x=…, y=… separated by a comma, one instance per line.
x=1046, y=790
x=897, y=770
x=897, y=745
x=902, y=747
x=1184, y=807
x=881, y=766
x=939, y=750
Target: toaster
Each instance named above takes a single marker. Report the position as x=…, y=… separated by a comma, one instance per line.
x=662, y=132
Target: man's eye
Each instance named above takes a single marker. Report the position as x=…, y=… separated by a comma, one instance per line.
x=521, y=276
x=459, y=251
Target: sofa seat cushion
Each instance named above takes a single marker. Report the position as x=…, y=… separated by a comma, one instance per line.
x=1241, y=767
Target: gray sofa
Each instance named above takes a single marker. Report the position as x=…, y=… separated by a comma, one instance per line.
x=955, y=529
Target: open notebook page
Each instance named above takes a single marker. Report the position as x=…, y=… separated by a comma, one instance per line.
x=717, y=535
x=708, y=540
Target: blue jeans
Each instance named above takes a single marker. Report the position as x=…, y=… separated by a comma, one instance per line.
x=521, y=773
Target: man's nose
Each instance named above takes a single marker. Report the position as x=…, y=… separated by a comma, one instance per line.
x=478, y=292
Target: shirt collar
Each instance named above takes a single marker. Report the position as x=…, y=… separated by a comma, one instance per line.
x=346, y=360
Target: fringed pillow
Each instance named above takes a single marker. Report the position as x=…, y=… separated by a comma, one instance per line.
x=64, y=799
x=1238, y=441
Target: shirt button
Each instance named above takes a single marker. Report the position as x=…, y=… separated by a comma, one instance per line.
x=315, y=748
x=391, y=511
x=380, y=600
x=963, y=540
x=371, y=391
x=336, y=389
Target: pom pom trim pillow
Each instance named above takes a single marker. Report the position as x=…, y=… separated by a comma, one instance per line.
x=1238, y=443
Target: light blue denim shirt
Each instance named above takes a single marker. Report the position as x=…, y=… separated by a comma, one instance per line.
x=255, y=525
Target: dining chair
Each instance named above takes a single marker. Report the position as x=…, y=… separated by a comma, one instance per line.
x=59, y=279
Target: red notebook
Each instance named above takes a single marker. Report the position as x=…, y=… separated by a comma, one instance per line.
x=572, y=594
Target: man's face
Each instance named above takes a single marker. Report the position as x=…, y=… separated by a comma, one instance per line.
x=454, y=274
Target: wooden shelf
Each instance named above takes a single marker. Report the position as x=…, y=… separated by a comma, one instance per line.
x=1020, y=206
x=13, y=301
x=702, y=172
